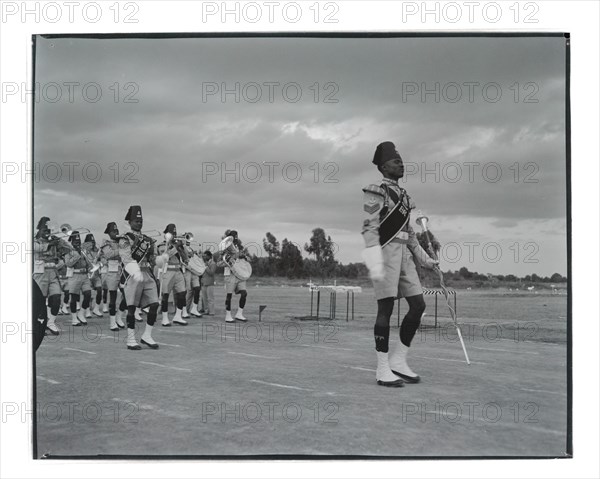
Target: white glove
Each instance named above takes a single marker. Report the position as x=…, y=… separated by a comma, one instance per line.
x=374, y=260
x=161, y=260
x=423, y=258
x=134, y=270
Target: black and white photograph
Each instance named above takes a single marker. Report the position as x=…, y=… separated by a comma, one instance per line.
x=349, y=245
x=299, y=239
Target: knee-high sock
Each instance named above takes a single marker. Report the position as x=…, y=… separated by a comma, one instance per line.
x=412, y=320
x=87, y=296
x=381, y=330
x=112, y=303
x=54, y=303
x=131, y=317
x=180, y=300
x=74, y=301
x=165, y=303
x=152, y=312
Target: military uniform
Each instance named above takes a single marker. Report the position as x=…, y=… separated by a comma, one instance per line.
x=172, y=278
x=77, y=273
x=46, y=263
x=232, y=283
x=192, y=284
x=400, y=252
x=137, y=247
x=111, y=265
x=138, y=258
x=391, y=253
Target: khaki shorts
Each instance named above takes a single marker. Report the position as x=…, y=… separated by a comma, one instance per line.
x=79, y=282
x=48, y=282
x=401, y=279
x=234, y=285
x=110, y=281
x=96, y=281
x=141, y=294
x=172, y=280
x=191, y=280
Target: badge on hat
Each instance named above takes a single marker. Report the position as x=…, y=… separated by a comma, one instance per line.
x=134, y=213
x=110, y=226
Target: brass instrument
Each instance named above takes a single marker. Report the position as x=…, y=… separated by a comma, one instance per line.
x=234, y=259
x=93, y=262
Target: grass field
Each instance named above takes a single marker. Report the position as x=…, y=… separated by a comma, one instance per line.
x=285, y=386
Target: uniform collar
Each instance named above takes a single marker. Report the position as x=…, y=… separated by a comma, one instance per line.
x=391, y=182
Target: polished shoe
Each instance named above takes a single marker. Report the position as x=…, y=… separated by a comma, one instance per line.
x=150, y=345
x=137, y=347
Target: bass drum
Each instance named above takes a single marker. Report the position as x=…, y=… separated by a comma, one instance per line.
x=241, y=269
x=196, y=265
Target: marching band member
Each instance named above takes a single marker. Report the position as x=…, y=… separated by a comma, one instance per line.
x=89, y=246
x=172, y=278
x=78, y=280
x=232, y=283
x=208, y=284
x=137, y=256
x=391, y=251
x=64, y=282
x=192, y=283
x=47, y=253
x=111, y=278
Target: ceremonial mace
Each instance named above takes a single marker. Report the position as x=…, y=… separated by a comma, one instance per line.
x=422, y=222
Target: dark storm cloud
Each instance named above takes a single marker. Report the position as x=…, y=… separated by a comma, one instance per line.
x=173, y=134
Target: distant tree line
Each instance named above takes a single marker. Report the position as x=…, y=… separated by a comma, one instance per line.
x=285, y=260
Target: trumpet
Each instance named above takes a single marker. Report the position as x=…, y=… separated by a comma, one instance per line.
x=66, y=230
x=185, y=237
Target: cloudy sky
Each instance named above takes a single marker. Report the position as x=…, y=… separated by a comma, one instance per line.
x=488, y=170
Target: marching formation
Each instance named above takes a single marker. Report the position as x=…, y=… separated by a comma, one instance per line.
x=146, y=272
x=140, y=269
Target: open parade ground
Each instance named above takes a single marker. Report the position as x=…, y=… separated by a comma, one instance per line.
x=285, y=386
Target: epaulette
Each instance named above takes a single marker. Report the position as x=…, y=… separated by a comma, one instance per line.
x=375, y=189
